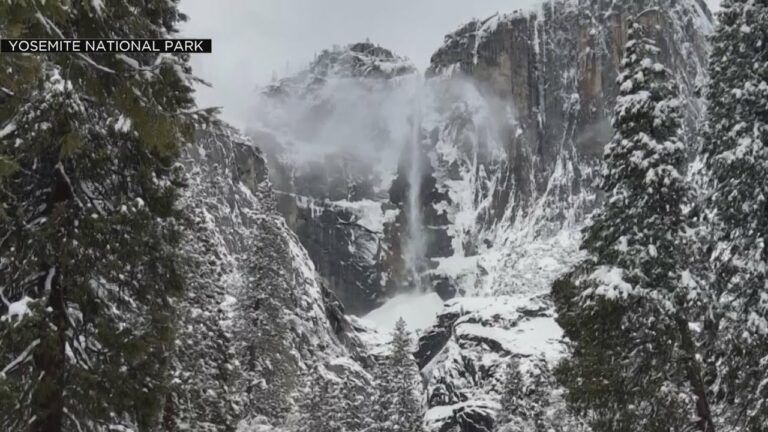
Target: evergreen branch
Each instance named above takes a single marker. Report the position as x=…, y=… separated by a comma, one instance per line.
x=20, y=359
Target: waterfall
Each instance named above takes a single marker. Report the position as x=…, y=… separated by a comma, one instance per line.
x=416, y=246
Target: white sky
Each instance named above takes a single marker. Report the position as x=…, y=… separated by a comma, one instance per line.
x=252, y=39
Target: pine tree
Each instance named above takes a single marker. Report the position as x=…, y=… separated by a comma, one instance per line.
x=626, y=309
x=525, y=398
x=397, y=407
x=320, y=404
x=512, y=396
x=354, y=406
x=88, y=222
x=269, y=358
x=205, y=388
x=735, y=146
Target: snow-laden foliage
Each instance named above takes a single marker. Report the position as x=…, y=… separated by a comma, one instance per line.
x=626, y=308
x=270, y=308
x=736, y=150
x=487, y=164
x=320, y=405
x=397, y=406
x=530, y=401
x=89, y=228
x=226, y=191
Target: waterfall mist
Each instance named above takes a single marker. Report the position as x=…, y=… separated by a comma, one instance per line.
x=416, y=243
x=385, y=136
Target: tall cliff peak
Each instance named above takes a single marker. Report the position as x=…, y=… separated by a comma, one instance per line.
x=359, y=60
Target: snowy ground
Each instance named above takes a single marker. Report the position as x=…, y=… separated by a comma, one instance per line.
x=417, y=309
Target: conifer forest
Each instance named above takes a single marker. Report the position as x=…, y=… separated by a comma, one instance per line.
x=554, y=221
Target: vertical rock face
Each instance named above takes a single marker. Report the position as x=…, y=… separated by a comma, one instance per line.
x=556, y=68
x=548, y=80
x=330, y=146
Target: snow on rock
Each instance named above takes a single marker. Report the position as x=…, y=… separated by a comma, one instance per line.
x=463, y=358
x=524, y=262
x=375, y=341
x=368, y=214
x=520, y=325
x=539, y=336
x=346, y=242
x=475, y=415
x=418, y=310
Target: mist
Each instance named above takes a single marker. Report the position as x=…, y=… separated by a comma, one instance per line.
x=252, y=41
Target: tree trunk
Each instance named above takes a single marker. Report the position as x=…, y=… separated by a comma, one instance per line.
x=49, y=358
x=693, y=373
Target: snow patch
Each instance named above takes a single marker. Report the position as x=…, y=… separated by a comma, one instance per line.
x=538, y=336
x=418, y=311
x=7, y=130
x=18, y=309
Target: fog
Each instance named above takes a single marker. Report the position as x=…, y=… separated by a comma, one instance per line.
x=370, y=120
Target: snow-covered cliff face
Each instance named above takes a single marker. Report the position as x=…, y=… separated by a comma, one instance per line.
x=472, y=182
x=255, y=317
x=555, y=70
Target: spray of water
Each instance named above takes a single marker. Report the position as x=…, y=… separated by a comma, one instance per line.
x=416, y=246
x=380, y=125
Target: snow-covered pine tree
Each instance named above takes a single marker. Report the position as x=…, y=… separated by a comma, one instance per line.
x=407, y=408
x=354, y=405
x=382, y=401
x=525, y=399
x=269, y=365
x=512, y=397
x=319, y=404
x=633, y=363
x=397, y=407
x=206, y=382
x=88, y=226
x=735, y=146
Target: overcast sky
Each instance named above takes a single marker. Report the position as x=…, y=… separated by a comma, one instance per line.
x=252, y=39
